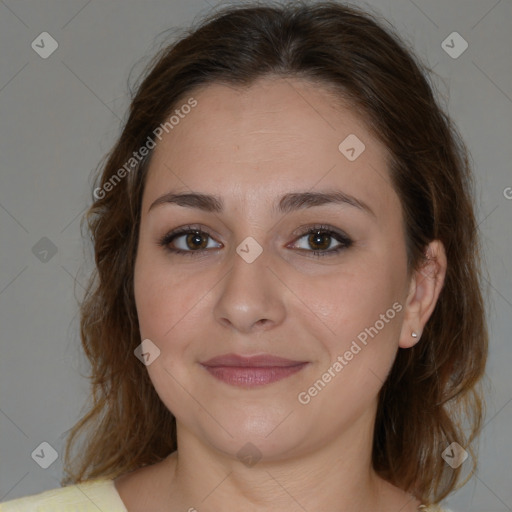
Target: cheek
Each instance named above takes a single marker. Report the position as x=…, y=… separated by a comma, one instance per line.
x=349, y=302
x=364, y=314
x=362, y=311
x=163, y=300
x=165, y=308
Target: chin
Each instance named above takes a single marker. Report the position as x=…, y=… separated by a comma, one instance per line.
x=270, y=434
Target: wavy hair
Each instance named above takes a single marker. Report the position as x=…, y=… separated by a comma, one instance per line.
x=432, y=396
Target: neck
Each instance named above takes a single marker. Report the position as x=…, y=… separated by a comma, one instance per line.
x=337, y=476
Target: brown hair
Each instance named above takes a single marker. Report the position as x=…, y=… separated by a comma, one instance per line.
x=432, y=396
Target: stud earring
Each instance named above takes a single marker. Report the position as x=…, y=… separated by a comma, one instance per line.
x=414, y=334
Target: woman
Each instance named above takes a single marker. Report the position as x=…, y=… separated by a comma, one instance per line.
x=286, y=313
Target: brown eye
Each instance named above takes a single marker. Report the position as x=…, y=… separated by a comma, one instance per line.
x=319, y=241
x=196, y=240
x=188, y=241
x=322, y=241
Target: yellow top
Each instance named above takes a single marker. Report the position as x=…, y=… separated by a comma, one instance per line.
x=94, y=495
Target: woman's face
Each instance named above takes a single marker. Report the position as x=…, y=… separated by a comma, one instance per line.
x=259, y=280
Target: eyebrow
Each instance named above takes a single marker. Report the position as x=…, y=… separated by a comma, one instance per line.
x=288, y=203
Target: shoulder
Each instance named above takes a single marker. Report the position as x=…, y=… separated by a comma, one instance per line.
x=88, y=496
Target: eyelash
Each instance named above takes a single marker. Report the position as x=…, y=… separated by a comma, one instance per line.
x=342, y=238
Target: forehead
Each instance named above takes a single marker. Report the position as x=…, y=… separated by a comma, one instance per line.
x=276, y=136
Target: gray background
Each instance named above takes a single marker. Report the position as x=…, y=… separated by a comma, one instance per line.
x=60, y=115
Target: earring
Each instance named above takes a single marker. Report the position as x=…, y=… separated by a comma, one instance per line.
x=414, y=334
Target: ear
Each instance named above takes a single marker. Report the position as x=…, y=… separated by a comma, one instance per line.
x=424, y=289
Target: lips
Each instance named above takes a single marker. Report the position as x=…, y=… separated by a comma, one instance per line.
x=251, y=361
x=250, y=371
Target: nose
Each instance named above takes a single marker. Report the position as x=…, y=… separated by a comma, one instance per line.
x=251, y=297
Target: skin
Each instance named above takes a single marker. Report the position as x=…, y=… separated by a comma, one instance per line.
x=250, y=147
